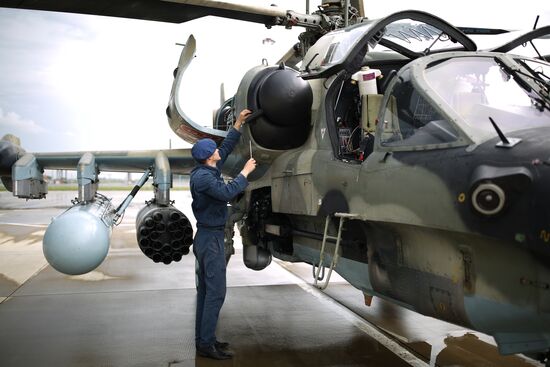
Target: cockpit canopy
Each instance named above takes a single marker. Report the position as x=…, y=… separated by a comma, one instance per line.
x=410, y=33
x=446, y=100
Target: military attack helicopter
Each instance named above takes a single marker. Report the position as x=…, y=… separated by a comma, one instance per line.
x=428, y=187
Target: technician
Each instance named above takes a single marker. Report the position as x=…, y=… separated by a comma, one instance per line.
x=210, y=197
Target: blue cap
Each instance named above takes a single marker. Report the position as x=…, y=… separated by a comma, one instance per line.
x=203, y=149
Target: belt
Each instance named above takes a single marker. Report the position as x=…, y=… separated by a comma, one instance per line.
x=210, y=228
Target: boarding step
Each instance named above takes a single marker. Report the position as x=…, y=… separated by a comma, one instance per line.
x=317, y=274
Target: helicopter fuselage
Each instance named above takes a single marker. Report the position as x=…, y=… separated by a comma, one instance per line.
x=442, y=218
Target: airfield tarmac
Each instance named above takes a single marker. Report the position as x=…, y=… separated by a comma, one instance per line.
x=133, y=312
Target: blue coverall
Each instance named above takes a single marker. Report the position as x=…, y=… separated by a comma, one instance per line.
x=210, y=197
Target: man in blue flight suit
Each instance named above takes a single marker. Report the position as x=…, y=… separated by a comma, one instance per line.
x=210, y=197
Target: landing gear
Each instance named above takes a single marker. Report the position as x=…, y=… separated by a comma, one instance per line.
x=228, y=242
x=235, y=214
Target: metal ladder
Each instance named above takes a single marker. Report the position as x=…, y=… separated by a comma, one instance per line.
x=335, y=256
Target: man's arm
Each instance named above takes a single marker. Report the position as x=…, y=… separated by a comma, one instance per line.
x=219, y=190
x=241, y=118
x=232, y=138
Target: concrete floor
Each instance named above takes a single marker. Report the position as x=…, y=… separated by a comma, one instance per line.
x=133, y=312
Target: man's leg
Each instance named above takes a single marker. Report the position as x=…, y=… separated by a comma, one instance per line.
x=215, y=282
x=199, y=244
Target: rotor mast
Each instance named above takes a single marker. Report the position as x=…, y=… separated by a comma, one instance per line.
x=331, y=15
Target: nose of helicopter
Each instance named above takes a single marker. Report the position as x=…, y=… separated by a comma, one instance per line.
x=510, y=189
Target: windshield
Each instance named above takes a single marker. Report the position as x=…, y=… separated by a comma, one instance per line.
x=476, y=88
x=340, y=43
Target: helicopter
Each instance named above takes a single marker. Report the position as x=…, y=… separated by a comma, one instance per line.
x=392, y=151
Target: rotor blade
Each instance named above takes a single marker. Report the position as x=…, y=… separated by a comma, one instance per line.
x=235, y=11
x=146, y=9
x=179, y=121
x=157, y=10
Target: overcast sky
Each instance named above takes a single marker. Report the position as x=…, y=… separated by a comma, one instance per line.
x=74, y=82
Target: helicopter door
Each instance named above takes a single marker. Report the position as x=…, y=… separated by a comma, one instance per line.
x=534, y=43
x=410, y=33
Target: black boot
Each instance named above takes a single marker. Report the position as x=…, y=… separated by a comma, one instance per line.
x=221, y=345
x=212, y=352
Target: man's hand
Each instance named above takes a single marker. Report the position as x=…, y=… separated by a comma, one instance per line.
x=240, y=119
x=249, y=166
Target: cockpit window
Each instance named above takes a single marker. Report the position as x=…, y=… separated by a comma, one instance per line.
x=477, y=88
x=340, y=43
x=418, y=37
x=411, y=121
x=409, y=33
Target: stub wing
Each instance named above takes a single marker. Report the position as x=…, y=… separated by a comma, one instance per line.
x=180, y=160
x=20, y=170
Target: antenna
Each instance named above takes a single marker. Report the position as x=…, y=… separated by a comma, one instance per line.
x=504, y=143
x=531, y=41
x=499, y=132
x=222, y=93
x=536, y=22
